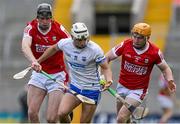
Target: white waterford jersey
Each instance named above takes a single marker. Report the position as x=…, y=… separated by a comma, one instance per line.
x=83, y=63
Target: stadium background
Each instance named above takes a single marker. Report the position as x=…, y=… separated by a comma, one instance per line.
x=109, y=22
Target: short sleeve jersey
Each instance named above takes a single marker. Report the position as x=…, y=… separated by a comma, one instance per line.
x=83, y=63
x=41, y=41
x=136, y=67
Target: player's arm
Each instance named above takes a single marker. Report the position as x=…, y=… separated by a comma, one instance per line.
x=167, y=73
x=115, y=52
x=110, y=56
x=106, y=71
x=26, y=49
x=48, y=53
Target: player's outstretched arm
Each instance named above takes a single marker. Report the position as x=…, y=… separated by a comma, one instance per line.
x=48, y=53
x=106, y=71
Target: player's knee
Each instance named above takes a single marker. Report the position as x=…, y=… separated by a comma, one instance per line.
x=121, y=118
x=32, y=114
x=51, y=119
x=62, y=114
x=64, y=117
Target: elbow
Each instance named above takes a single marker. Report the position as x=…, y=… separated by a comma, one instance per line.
x=24, y=47
x=107, y=60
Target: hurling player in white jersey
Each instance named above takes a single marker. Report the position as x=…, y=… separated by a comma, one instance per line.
x=83, y=57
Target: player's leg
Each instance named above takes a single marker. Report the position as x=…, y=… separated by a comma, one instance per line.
x=54, y=99
x=118, y=106
x=55, y=94
x=87, y=112
x=124, y=113
x=68, y=103
x=35, y=98
x=167, y=113
x=166, y=104
x=134, y=97
x=87, y=109
x=123, y=92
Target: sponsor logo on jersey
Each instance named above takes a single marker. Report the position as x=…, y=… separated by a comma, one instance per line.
x=77, y=52
x=41, y=48
x=139, y=70
x=76, y=65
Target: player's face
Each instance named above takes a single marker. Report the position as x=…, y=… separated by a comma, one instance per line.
x=80, y=43
x=44, y=23
x=139, y=41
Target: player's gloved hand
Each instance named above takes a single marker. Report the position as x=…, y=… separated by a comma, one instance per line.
x=172, y=86
x=36, y=66
x=105, y=84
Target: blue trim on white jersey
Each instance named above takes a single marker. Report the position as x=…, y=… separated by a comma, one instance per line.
x=100, y=59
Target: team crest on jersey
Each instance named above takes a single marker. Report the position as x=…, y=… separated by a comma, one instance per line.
x=54, y=38
x=84, y=59
x=146, y=61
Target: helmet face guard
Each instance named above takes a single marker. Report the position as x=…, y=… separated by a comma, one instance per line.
x=80, y=35
x=142, y=29
x=44, y=10
x=79, y=31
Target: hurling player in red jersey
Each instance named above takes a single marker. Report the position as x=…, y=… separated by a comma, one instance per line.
x=40, y=34
x=139, y=55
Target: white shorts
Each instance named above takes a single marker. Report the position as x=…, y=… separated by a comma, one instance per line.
x=41, y=81
x=165, y=101
x=138, y=95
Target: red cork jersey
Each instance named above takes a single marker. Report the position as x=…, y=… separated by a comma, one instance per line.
x=41, y=41
x=136, y=66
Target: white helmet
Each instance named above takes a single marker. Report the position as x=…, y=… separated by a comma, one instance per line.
x=79, y=31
